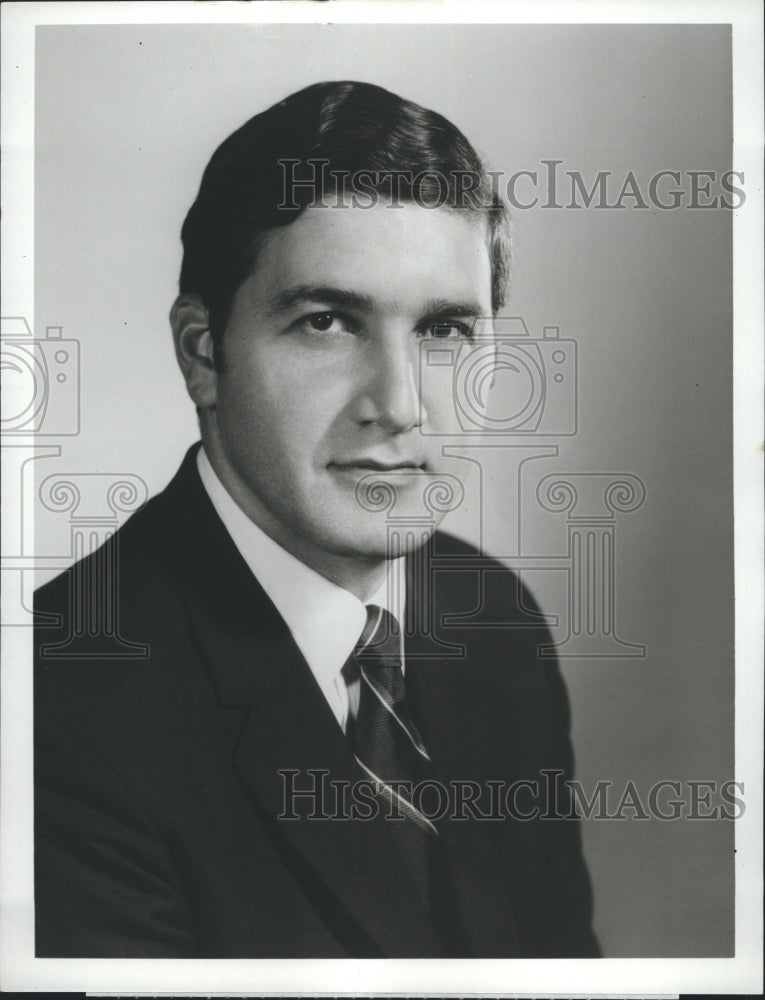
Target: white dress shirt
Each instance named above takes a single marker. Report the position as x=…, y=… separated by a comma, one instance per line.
x=324, y=619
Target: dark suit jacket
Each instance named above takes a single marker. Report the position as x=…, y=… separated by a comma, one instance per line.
x=158, y=790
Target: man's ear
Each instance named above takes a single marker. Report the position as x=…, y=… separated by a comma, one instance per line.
x=194, y=349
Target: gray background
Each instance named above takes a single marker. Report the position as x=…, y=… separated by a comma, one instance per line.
x=126, y=118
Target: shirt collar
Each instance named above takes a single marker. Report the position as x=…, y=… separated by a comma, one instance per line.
x=324, y=619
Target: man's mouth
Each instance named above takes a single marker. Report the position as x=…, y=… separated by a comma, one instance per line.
x=374, y=465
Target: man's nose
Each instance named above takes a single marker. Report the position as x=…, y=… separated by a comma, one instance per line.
x=391, y=396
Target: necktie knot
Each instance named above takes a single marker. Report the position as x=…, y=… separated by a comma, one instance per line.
x=380, y=642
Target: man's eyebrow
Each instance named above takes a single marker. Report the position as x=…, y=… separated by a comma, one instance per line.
x=344, y=297
x=290, y=297
x=450, y=307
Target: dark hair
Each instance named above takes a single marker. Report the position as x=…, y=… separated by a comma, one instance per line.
x=351, y=128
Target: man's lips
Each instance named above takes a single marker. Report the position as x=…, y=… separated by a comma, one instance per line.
x=374, y=465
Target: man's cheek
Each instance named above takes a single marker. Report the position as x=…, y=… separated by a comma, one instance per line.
x=441, y=414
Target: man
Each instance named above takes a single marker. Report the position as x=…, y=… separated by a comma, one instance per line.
x=304, y=764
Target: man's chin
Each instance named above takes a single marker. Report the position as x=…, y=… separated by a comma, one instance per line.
x=373, y=545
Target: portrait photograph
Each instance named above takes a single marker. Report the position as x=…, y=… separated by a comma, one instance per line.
x=382, y=498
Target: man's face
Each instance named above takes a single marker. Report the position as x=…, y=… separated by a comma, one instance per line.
x=322, y=381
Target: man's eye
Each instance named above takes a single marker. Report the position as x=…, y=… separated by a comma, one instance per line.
x=448, y=329
x=324, y=322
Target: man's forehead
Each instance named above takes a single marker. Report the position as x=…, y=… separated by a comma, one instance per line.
x=385, y=257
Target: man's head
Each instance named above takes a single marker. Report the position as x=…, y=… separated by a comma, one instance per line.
x=332, y=235
x=267, y=172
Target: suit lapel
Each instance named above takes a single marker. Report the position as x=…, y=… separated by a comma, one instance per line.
x=467, y=738
x=253, y=661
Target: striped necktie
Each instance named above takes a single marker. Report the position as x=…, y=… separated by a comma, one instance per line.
x=388, y=747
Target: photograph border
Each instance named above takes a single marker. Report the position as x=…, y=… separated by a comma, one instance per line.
x=19, y=969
